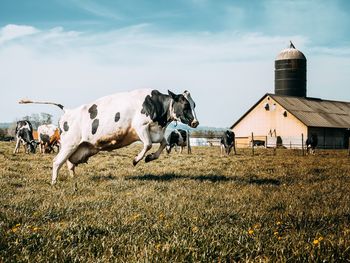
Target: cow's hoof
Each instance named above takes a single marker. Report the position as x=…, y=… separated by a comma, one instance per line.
x=149, y=158
x=134, y=162
x=53, y=182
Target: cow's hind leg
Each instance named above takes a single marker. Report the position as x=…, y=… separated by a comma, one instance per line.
x=71, y=168
x=59, y=160
x=156, y=155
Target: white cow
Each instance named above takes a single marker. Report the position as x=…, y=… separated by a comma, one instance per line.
x=118, y=120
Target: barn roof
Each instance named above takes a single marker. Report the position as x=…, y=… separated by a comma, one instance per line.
x=312, y=112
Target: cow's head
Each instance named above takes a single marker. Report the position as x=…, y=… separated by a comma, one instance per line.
x=230, y=134
x=31, y=146
x=183, y=108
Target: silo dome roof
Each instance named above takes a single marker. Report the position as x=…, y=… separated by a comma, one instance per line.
x=290, y=53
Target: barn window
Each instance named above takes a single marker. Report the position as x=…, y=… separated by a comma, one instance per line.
x=285, y=113
x=267, y=106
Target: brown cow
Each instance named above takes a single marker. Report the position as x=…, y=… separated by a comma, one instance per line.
x=48, y=136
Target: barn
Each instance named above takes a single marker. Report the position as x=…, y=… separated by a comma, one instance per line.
x=288, y=117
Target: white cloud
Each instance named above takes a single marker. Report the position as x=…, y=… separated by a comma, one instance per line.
x=10, y=32
x=225, y=72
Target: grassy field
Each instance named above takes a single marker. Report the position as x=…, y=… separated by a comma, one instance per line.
x=180, y=208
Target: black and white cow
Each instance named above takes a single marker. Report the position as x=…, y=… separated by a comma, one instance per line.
x=311, y=144
x=118, y=120
x=24, y=135
x=177, y=137
x=227, y=142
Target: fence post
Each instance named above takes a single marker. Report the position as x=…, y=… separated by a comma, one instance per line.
x=189, y=150
x=302, y=143
x=253, y=144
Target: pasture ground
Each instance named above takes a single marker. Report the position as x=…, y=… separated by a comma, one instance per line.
x=180, y=208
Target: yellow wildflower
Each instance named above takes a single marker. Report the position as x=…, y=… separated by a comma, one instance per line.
x=161, y=216
x=158, y=246
x=250, y=231
x=136, y=217
x=278, y=223
x=316, y=242
x=257, y=226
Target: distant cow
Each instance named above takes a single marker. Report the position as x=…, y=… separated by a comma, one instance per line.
x=48, y=137
x=177, y=137
x=118, y=120
x=311, y=144
x=24, y=135
x=227, y=142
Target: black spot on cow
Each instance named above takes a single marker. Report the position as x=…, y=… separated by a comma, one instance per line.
x=93, y=111
x=156, y=107
x=117, y=117
x=94, y=126
x=65, y=126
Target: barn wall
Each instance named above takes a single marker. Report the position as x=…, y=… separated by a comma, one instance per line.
x=330, y=138
x=271, y=122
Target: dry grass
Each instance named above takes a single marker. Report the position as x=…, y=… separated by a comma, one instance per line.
x=180, y=208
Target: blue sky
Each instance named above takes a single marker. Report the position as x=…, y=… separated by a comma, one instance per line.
x=223, y=52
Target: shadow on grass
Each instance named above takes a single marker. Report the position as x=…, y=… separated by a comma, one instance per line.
x=203, y=178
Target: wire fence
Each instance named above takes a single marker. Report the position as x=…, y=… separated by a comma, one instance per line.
x=279, y=142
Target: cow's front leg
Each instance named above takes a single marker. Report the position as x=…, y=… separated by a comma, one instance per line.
x=155, y=155
x=59, y=160
x=222, y=149
x=147, y=143
x=18, y=142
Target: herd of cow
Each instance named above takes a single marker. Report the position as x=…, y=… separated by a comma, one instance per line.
x=114, y=122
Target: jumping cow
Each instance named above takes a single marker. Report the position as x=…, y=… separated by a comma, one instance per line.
x=311, y=144
x=118, y=120
x=49, y=137
x=24, y=135
x=177, y=137
x=227, y=142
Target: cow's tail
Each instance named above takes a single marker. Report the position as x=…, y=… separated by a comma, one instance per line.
x=27, y=101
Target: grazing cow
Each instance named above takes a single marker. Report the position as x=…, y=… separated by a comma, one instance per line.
x=227, y=142
x=177, y=137
x=118, y=120
x=48, y=137
x=24, y=135
x=311, y=144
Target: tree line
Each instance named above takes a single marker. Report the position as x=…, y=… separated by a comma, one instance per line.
x=36, y=119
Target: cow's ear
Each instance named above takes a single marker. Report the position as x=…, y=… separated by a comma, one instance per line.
x=172, y=95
